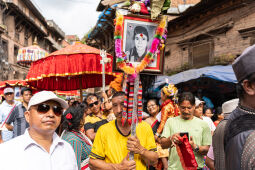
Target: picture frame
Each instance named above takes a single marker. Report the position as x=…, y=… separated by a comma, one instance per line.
x=138, y=29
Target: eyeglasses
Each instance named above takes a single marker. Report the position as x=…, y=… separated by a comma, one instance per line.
x=151, y=106
x=92, y=104
x=44, y=108
x=7, y=94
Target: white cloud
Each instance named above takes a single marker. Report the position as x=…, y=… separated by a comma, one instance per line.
x=72, y=16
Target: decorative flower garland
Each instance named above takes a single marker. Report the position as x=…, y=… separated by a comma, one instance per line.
x=122, y=63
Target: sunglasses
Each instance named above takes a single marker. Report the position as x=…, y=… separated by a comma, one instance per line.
x=92, y=104
x=44, y=108
x=7, y=94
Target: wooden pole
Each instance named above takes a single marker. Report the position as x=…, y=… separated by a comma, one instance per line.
x=134, y=115
x=103, y=55
x=80, y=82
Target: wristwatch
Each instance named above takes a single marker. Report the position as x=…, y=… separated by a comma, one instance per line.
x=196, y=149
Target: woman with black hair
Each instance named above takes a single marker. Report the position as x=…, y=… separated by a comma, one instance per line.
x=72, y=122
x=141, y=39
x=153, y=109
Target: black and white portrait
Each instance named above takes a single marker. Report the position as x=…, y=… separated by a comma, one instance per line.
x=137, y=39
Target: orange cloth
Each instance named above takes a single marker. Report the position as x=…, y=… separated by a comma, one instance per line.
x=116, y=84
x=169, y=109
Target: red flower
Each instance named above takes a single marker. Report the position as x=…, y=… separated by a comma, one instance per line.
x=69, y=116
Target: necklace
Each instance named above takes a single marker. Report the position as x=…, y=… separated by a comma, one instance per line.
x=247, y=110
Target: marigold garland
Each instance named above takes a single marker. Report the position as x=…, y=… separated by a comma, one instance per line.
x=128, y=68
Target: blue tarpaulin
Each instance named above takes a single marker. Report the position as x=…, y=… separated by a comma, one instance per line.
x=218, y=72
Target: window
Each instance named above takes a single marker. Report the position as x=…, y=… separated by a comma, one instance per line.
x=26, y=37
x=16, y=75
x=16, y=36
x=5, y=50
x=200, y=54
x=15, y=53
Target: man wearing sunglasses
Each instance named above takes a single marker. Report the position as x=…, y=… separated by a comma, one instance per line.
x=40, y=147
x=5, y=110
x=96, y=119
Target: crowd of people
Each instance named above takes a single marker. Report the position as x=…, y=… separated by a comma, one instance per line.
x=45, y=132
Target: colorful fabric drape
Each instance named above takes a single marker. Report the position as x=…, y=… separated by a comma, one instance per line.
x=129, y=101
x=186, y=154
x=168, y=109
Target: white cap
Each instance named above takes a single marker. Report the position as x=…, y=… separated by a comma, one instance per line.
x=229, y=106
x=44, y=96
x=198, y=102
x=8, y=90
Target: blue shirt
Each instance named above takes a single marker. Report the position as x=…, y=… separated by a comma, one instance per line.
x=5, y=109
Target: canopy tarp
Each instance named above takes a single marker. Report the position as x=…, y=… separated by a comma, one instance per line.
x=218, y=72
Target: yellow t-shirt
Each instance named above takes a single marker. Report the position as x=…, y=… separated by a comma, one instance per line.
x=111, y=146
x=94, y=122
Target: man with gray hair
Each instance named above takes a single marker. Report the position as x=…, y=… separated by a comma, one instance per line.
x=242, y=120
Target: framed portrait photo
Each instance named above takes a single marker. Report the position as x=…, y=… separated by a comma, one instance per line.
x=137, y=36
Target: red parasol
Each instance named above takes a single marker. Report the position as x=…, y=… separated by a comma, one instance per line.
x=68, y=93
x=11, y=83
x=73, y=67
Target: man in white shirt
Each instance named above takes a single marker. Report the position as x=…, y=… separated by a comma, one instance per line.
x=5, y=110
x=40, y=147
x=199, y=113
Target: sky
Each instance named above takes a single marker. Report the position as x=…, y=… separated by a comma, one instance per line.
x=74, y=17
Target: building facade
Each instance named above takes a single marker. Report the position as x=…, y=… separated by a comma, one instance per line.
x=214, y=32
x=21, y=23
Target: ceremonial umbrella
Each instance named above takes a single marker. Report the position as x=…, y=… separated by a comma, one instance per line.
x=11, y=83
x=67, y=93
x=74, y=67
x=29, y=54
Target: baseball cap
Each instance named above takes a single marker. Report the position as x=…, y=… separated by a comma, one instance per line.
x=243, y=66
x=198, y=102
x=8, y=90
x=229, y=106
x=44, y=96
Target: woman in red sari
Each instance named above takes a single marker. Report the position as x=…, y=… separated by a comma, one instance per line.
x=168, y=108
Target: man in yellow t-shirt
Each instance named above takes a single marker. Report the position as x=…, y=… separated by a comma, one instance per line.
x=113, y=143
x=96, y=119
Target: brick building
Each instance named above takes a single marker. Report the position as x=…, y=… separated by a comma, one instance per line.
x=20, y=23
x=210, y=33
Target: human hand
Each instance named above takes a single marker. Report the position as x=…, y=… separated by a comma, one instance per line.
x=127, y=164
x=191, y=142
x=156, y=137
x=175, y=139
x=133, y=145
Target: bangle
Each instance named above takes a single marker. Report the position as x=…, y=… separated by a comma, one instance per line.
x=158, y=135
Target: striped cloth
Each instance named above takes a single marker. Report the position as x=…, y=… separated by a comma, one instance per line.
x=248, y=155
x=129, y=101
x=81, y=148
